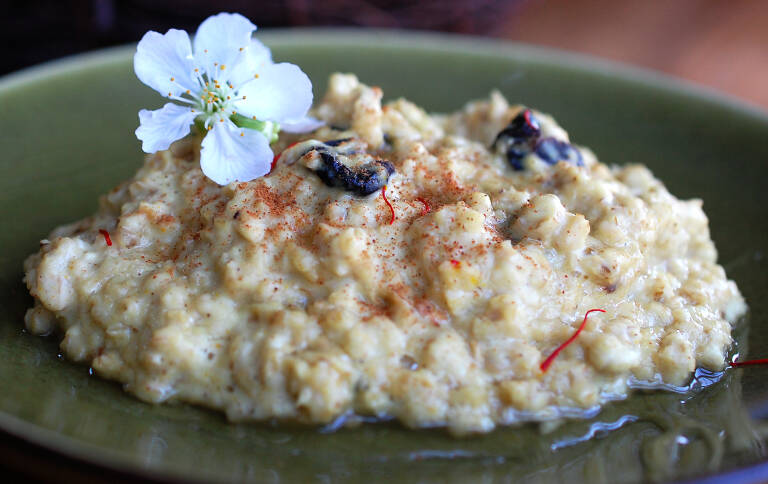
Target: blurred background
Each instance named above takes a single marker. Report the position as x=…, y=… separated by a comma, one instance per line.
x=719, y=43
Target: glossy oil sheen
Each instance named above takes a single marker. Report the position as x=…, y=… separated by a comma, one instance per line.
x=66, y=133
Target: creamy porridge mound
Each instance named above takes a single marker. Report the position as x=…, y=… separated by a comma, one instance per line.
x=302, y=296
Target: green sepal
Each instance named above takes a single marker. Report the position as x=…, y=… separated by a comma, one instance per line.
x=200, y=125
x=267, y=128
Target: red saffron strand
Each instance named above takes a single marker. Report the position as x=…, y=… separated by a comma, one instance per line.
x=106, y=237
x=455, y=263
x=545, y=365
x=391, y=208
x=736, y=364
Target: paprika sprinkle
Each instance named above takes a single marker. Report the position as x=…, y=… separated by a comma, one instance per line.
x=427, y=207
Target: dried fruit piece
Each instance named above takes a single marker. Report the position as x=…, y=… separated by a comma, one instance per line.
x=552, y=151
x=516, y=140
x=342, y=163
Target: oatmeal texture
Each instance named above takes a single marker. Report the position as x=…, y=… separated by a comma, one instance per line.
x=294, y=298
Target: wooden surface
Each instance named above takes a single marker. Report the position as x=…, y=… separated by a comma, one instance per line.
x=719, y=43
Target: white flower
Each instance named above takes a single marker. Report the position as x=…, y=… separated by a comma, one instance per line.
x=229, y=87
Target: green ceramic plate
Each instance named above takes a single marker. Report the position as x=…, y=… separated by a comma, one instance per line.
x=66, y=132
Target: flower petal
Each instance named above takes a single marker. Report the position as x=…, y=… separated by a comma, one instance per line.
x=281, y=92
x=303, y=125
x=159, y=128
x=219, y=40
x=251, y=60
x=232, y=154
x=164, y=62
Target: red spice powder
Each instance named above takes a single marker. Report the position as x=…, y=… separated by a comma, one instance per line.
x=545, y=365
x=278, y=203
x=427, y=207
x=107, y=239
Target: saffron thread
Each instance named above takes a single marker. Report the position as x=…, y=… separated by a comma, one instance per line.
x=391, y=208
x=455, y=263
x=427, y=207
x=736, y=364
x=545, y=365
x=106, y=237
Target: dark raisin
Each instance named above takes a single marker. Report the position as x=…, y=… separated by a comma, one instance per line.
x=332, y=171
x=523, y=127
x=358, y=173
x=515, y=155
x=552, y=151
x=516, y=140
